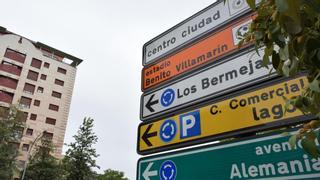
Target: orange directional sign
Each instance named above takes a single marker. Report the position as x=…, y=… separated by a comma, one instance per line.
x=260, y=108
x=212, y=48
x=210, y=18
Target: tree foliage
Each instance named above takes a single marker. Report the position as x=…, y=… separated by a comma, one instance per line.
x=80, y=157
x=42, y=165
x=11, y=128
x=110, y=174
x=290, y=32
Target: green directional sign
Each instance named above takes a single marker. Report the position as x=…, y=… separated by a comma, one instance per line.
x=268, y=157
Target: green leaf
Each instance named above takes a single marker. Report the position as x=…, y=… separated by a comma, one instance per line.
x=314, y=86
x=310, y=146
x=292, y=141
x=286, y=68
x=306, y=101
x=312, y=44
x=268, y=50
x=318, y=56
x=284, y=53
x=275, y=37
x=298, y=102
x=292, y=27
x=258, y=35
x=265, y=61
x=289, y=102
x=294, y=10
x=274, y=28
x=282, y=5
x=256, y=48
x=313, y=6
x=293, y=67
x=285, y=134
x=281, y=38
x=311, y=135
x=252, y=4
x=240, y=43
x=275, y=60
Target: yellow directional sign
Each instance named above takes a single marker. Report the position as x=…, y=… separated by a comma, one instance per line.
x=260, y=108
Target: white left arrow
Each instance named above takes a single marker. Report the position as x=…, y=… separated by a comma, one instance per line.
x=147, y=173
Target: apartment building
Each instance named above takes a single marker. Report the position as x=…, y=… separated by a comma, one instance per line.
x=40, y=80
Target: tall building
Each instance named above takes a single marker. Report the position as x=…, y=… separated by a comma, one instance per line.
x=40, y=80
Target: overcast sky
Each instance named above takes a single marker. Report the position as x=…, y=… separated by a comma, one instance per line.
x=109, y=36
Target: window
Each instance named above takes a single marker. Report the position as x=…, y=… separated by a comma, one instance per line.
x=29, y=88
x=43, y=77
x=33, y=117
x=14, y=55
x=25, y=102
x=15, y=145
x=36, y=63
x=29, y=132
x=18, y=134
x=46, y=65
x=32, y=75
x=25, y=147
x=48, y=135
x=61, y=70
x=56, y=94
x=4, y=112
x=59, y=82
x=36, y=103
x=40, y=89
x=53, y=107
x=50, y=121
x=24, y=116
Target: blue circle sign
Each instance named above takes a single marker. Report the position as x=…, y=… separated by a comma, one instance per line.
x=168, y=130
x=168, y=170
x=167, y=97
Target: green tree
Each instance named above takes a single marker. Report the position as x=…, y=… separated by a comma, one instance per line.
x=110, y=174
x=11, y=128
x=42, y=165
x=80, y=157
x=290, y=32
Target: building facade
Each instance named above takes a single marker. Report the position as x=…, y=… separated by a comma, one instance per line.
x=40, y=80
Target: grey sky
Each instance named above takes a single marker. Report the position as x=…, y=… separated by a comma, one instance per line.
x=109, y=36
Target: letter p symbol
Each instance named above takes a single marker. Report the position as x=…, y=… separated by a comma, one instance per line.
x=190, y=124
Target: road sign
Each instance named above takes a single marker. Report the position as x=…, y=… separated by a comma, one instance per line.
x=217, y=45
x=209, y=19
x=265, y=157
x=234, y=73
x=249, y=110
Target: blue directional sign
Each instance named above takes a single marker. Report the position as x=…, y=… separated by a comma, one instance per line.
x=190, y=124
x=168, y=130
x=168, y=170
x=167, y=97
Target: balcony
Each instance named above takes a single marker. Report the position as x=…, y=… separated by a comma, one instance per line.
x=10, y=69
x=8, y=82
x=14, y=55
x=6, y=97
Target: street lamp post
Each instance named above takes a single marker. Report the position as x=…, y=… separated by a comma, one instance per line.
x=29, y=152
